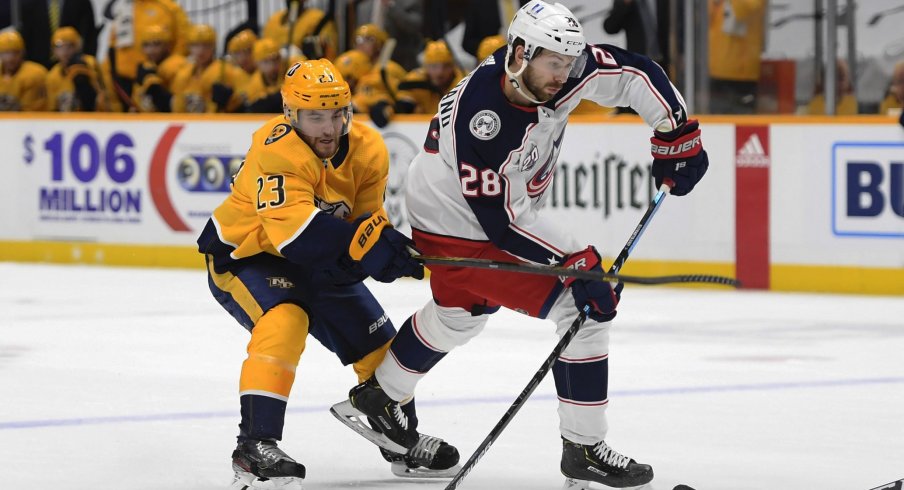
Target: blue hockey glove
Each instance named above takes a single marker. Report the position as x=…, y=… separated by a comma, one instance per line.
x=679, y=156
x=382, y=251
x=600, y=295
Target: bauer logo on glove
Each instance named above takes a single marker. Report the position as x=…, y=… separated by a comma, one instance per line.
x=367, y=234
x=679, y=157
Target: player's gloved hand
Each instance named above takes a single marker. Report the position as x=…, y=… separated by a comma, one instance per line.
x=220, y=94
x=679, y=156
x=382, y=251
x=381, y=113
x=901, y=120
x=143, y=71
x=600, y=295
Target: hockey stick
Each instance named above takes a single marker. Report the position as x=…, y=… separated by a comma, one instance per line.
x=550, y=270
x=563, y=343
x=895, y=485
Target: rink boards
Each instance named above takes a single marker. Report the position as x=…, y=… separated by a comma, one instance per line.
x=789, y=203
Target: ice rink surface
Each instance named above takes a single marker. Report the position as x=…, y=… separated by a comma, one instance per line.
x=118, y=378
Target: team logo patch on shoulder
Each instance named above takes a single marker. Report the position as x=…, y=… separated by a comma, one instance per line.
x=279, y=131
x=485, y=125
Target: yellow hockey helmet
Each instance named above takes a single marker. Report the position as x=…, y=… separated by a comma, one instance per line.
x=155, y=33
x=488, y=46
x=202, y=34
x=265, y=48
x=371, y=30
x=437, y=52
x=242, y=41
x=66, y=35
x=353, y=64
x=315, y=85
x=11, y=41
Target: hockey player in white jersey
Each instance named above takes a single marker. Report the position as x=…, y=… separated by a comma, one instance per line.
x=476, y=189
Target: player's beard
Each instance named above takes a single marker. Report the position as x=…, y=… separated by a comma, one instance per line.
x=538, y=91
x=319, y=147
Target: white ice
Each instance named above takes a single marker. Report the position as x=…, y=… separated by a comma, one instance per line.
x=121, y=378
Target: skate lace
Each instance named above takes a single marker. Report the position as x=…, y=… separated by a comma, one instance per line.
x=400, y=416
x=425, y=450
x=270, y=454
x=610, y=456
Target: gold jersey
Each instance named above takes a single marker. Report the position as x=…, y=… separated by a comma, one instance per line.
x=372, y=89
x=165, y=13
x=287, y=202
x=24, y=90
x=193, y=89
x=258, y=88
x=61, y=96
x=416, y=89
x=277, y=29
x=165, y=75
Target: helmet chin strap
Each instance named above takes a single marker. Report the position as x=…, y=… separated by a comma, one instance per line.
x=517, y=82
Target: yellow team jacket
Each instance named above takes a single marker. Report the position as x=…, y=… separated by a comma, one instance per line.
x=165, y=13
x=257, y=88
x=277, y=29
x=25, y=90
x=736, y=39
x=416, y=88
x=282, y=187
x=889, y=103
x=165, y=75
x=371, y=89
x=61, y=87
x=193, y=91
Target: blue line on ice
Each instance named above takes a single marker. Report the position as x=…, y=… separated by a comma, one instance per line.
x=684, y=390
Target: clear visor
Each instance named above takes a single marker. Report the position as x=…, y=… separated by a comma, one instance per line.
x=323, y=123
x=561, y=64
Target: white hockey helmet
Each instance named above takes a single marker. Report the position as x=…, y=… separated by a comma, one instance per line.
x=546, y=26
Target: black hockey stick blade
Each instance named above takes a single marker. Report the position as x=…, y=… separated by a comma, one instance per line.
x=551, y=270
x=895, y=485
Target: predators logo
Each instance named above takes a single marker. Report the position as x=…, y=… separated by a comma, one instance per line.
x=279, y=131
x=338, y=209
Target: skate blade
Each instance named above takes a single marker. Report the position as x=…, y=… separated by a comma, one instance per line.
x=247, y=481
x=573, y=484
x=402, y=470
x=357, y=421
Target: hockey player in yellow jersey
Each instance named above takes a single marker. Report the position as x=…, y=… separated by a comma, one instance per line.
x=156, y=74
x=241, y=51
x=286, y=253
x=207, y=84
x=419, y=92
x=262, y=92
x=129, y=20
x=22, y=83
x=73, y=84
x=314, y=33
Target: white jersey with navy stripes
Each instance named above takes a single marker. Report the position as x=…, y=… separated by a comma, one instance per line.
x=486, y=163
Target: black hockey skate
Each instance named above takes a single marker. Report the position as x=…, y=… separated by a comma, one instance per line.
x=369, y=400
x=600, y=463
x=260, y=464
x=431, y=457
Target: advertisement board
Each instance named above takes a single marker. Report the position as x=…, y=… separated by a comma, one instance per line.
x=789, y=204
